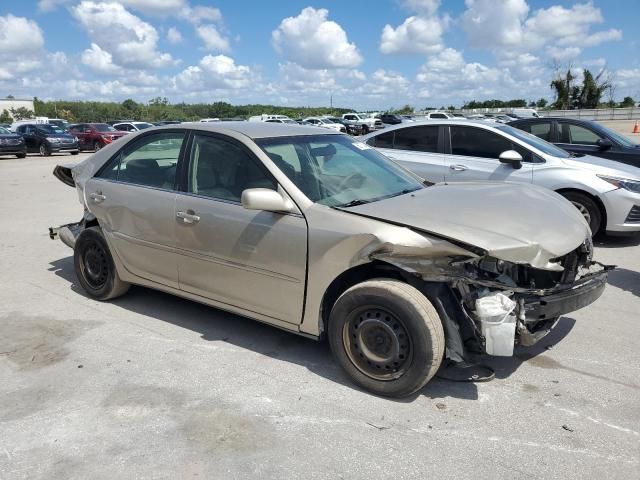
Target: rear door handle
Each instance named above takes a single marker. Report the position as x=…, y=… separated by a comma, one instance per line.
x=458, y=167
x=97, y=197
x=188, y=217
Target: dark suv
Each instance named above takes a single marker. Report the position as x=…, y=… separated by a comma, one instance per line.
x=94, y=136
x=47, y=139
x=390, y=119
x=12, y=144
x=582, y=137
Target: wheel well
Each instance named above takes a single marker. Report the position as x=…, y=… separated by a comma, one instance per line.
x=595, y=198
x=353, y=276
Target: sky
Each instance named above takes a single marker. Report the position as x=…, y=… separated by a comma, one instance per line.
x=363, y=54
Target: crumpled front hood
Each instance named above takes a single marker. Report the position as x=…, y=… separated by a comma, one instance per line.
x=514, y=222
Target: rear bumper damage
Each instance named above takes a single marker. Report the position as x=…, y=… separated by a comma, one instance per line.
x=69, y=233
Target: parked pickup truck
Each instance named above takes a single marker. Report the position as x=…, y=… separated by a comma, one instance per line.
x=368, y=124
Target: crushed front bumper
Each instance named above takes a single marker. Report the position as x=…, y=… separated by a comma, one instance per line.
x=580, y=294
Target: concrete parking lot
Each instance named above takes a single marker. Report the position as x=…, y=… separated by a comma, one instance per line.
x=153, y=386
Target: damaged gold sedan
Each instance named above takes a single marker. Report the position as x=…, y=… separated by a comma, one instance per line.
x=315, y=233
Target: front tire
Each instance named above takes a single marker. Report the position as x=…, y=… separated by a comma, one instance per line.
x=97, y=146
x=588, y=208
x=387, y=337
x=21, y=155
x=44, y=152
x=94, y=266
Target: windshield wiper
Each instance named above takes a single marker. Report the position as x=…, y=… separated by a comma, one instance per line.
x=353, y=203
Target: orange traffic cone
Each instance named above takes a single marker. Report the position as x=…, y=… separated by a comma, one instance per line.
x=635, y=128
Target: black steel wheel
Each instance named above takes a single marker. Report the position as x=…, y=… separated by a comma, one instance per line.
x=377, y=343
x=94, y=266
x=387, y=336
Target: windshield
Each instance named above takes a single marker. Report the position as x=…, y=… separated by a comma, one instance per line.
x=289, y=121
x=103, y=127
x=536, y=142
x=50, y=129
x=4, y=131
x=335, y=170
x=142, y=125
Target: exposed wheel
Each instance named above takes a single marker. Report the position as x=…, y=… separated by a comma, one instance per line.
x=96, y=146
x=21, y=155
x=387, y=336
x=365, y=129
x=587, y=207
x=94, y=266
x=43, y=150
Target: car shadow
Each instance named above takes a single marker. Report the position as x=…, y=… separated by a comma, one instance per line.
x=617, y=241
x=216, y=325
x=624, y=279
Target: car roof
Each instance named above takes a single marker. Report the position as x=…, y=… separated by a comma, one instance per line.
x=438, y=121
x=256, y=130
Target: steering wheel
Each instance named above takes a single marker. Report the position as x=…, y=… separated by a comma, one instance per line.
x=343, y=183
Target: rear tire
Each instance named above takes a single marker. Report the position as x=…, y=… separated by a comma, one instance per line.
x=75, y=153
x=365, y=129
x=387, y=337
x=588, y=208
x=21, y=155
x=96, y=146
x=94, y=266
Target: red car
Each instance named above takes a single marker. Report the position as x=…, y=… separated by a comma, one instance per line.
x=94, y=136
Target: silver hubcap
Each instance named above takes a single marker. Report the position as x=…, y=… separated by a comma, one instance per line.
x=583, y=210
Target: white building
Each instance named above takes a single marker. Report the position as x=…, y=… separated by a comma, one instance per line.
x=15, y=103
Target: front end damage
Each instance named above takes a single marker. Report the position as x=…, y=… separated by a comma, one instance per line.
x=500, y=304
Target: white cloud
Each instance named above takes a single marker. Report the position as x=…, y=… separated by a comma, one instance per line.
x=420, y=33
x=491, y=26
x=154, y=7
x=100, y=61
x=215, y=72
x=562, y=54
x=415, y=35
x=425, y=7
x=19, y=35
x=312, y=41
x=200, y=13
x=174, y=36
x=448, y=77
x=511, y=27
x=212, y=39
x=130, y=41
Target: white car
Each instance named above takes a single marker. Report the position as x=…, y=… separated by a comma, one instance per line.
x=282, y=120
x=368, y=124
x=607, y=193
x=440, y=116
x=326, y=123
x=132, y=126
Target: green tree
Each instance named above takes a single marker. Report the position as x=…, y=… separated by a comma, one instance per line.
x=627, y=102
x=21, y=113
x=592, y=89
x=562, y=87
x=542, y=103
x=5, y=117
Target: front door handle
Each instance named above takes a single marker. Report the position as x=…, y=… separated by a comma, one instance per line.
x=188, y=217
x=458, y=167
x=97, y=197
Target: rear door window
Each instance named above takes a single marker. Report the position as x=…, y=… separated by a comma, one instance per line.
x=152, y=161
x=384, y=140
x=418, y=139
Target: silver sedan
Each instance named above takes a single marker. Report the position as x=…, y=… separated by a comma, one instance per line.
x=311, y=231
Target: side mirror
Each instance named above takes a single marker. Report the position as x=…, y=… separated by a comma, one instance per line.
x=265, y=199
x=604, y=143
x=511, y=157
